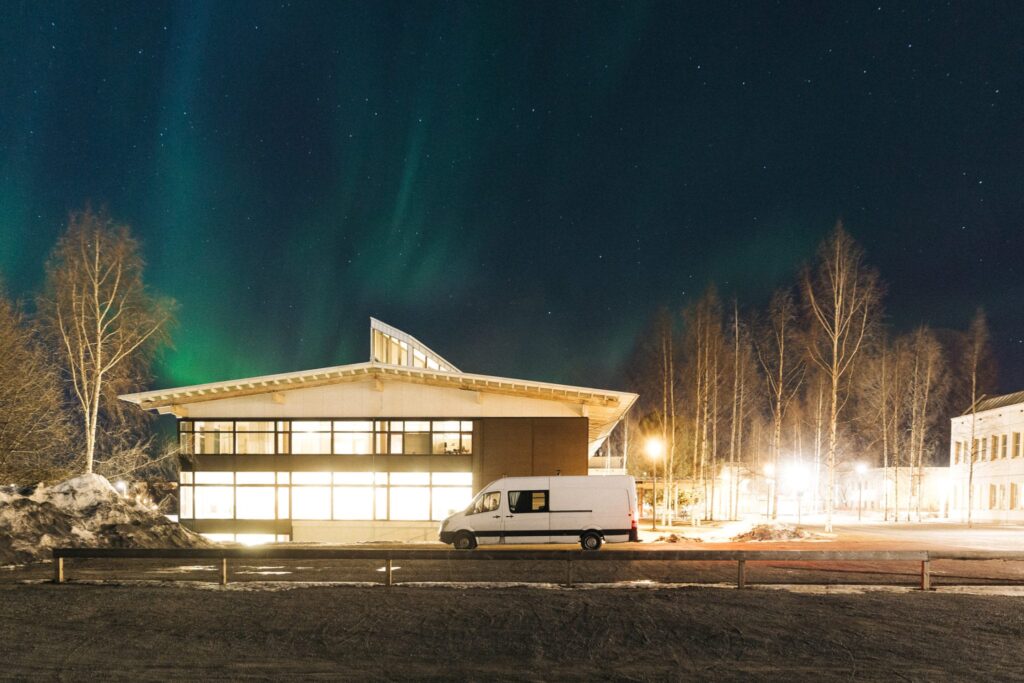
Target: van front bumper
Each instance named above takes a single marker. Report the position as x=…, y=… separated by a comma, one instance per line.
x=447, y=537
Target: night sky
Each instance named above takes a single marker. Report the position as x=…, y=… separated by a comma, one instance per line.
x=518, y=185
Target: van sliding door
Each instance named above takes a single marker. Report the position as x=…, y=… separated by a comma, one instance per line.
x=527, y=519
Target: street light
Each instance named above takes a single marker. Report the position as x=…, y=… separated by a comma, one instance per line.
x=861, y=469
x=121, y=486
x=654, y=447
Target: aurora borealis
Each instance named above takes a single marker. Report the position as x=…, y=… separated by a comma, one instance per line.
x=518, y=185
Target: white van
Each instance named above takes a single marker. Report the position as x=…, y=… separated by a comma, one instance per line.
x=590, y=510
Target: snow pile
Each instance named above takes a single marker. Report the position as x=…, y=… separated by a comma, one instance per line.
x=675, y=538
x=774, y=532
x=83, y=511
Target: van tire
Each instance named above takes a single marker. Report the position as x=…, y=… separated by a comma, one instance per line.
x=464, y=541
x=591, y=541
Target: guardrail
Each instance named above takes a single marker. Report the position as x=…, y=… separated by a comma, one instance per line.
x=569, y=557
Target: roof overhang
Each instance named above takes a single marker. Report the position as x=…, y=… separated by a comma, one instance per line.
x=604, y=408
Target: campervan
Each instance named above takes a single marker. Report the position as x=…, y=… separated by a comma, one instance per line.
x=588, y=510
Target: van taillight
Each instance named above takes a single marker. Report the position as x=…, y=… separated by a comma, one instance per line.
x=632, y=524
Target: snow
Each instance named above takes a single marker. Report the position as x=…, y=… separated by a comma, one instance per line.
x=82, y=511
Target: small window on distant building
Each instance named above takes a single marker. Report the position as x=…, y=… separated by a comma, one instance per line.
x=1002, y=446
x=1016, y=444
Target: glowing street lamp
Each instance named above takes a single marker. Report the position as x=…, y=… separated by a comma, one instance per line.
x=861, y=469
x=121, y=486
x=654, y=448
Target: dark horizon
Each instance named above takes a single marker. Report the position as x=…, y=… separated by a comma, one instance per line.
x=519, y=187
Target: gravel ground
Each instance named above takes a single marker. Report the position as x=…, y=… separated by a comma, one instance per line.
x=175, y=631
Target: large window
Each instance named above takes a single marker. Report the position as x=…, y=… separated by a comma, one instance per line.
x=326, y=437
x=406, y=496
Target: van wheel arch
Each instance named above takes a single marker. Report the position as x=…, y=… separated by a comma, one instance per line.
x=591, y=540
x=464, y=540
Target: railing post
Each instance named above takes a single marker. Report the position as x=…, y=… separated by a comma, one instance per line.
x=58, y=570
x=926, y=576
x=741, y=574
x=387, y=572
x=223, y=571
x=568, y=573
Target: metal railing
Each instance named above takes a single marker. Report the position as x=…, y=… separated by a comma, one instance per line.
x=569, y=557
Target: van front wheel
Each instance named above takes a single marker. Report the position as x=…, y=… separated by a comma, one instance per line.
x=464, y=541
x=590, y=541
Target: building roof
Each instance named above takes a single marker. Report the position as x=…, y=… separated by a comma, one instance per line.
x=603, y=407
x=993, y=402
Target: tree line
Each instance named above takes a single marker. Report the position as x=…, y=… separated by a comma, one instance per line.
x=818, y=377
x=90, y=333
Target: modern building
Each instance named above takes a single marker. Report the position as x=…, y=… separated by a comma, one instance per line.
x=993, y=436
x=371, y=451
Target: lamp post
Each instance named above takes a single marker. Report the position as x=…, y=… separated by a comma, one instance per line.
x=654, y=447
x=861, y=469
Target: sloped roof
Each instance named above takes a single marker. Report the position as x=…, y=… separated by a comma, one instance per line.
x=604, y=407
x=993, y=402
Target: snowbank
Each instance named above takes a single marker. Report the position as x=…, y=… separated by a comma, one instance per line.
x=774, y=532
x=83, y=511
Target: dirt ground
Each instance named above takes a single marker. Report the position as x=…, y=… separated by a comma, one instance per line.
x=177, y=631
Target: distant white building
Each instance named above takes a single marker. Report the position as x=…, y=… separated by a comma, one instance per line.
x=998, y=459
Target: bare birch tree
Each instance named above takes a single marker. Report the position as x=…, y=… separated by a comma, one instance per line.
x=782, y=368
x=843, y=297
x=98, y=311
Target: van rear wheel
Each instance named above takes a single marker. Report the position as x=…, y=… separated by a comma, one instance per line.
x=590, y=541
x=464, y=541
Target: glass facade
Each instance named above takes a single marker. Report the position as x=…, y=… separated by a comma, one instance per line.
x=339, y=496
x=394, y=351
x=326, y=437
x=349, y=492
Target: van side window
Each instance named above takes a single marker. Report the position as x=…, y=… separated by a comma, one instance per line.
x=528, y=501
x=489, y=502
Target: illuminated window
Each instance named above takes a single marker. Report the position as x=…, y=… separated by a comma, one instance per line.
x=255, y=443
x=353, y=478
x=185, y=501
x=353, y=502
x=353, y=443
x=311, y=502
x=214, y=502
x=214, y=477
x=254, y=502
x=254, y=477
x=283, y=509
x=213, y=438
x=185, y=477
x=452, y=479
x=410, y=502
x=446, y=443
x=311, y=478
x=311, y=438
x=448, y=499
x=410, y=478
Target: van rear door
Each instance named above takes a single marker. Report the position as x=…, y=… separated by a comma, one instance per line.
x=527, y=519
